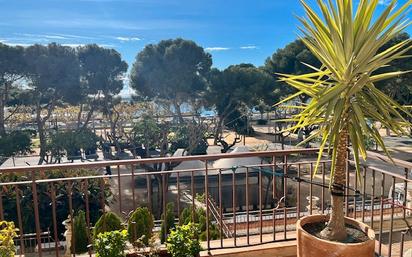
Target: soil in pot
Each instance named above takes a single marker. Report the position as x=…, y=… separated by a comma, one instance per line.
x=355, y=235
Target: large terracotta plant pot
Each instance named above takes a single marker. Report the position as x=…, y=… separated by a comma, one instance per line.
x=312, y=246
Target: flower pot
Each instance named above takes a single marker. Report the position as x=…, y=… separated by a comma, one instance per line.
x=311, y=246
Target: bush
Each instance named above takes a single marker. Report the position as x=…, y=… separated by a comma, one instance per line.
x=62, y=198
x=86, y=139
x=72, y=141
x=262, y=122
x=182, y=241
x=109, y=221
x=140, y=225
x=111, y=244
x=168, y=221
x=79, y=236
x=200, y=218
x=7, y=233
x=189, y=136
x=15, y=142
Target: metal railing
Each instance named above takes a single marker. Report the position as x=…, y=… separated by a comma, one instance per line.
x=248, y=204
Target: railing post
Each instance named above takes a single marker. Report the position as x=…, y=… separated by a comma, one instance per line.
x=347, y=182
x=220, y=208
x=54, y=214
x=405, y=188
x=70, y=195
x=363, y=194
x=247, y=206
x=391, y=219
x=86, y=203
x=274, y=196
x=120, y=189
x=19, y=220
x=207, y=206
x=285, y=188
x=234, y=206
x=1, y=204
x=133, y=187
x=36, y=212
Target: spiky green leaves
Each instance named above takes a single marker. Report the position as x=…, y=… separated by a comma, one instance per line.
x=342, y=91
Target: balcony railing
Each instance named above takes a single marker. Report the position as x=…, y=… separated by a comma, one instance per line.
x=251, y=198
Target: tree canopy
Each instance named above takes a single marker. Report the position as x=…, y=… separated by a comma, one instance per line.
x=54, y=77
x=399, y=87
x=237, y=86
x=12, y=68
x=102, y=74
x=173, y=70
x=291, y=59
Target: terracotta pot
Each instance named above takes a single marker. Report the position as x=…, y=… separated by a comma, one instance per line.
x=311, y=246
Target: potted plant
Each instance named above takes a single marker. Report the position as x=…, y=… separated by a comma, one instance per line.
x=111, y=244
x=183, y=241
x=345, y=105
x=7, y=233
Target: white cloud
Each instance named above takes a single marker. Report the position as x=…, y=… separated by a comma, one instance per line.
x=74, y=36
x=12, y=43
x=216, y=48
x=16, y=43
x=385, y=2
x=77, y=45
x=54, y=37
x=126, y=39
x=248, y=47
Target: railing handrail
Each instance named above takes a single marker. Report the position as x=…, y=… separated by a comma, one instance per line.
x=158, y=160
x=396, y=162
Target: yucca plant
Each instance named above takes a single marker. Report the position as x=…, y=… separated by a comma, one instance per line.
x=344, y=101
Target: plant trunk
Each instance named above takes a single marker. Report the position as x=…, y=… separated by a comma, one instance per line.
x=42, y=137
x=178, y=112
x=3, y=101
x=218, y=131
x=2, y=120
x=79, y=116
x=335, y=229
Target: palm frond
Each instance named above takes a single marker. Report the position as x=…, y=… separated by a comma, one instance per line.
x=348, y=44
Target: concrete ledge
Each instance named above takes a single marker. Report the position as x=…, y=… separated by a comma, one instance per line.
x=277, y=249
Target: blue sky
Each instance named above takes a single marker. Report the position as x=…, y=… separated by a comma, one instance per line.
x=233, y=31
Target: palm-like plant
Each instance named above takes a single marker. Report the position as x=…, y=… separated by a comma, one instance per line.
x=344, y=103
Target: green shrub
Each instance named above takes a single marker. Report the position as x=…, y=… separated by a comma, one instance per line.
x=72, y=141
x=262, y=122
x=109, y=221
x=111, y=244
x=140, y=224
x=7, y=233
x=186, y=217
x=168, y=221
x=79, y=236
x=62, y=198
x=182, y=241
x=15, y=142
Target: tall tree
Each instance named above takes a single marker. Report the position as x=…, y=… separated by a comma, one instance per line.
x=54, y=78
x=102, y=74
x=234, y=87
x=291, y=59
x=173, y=70
x=399, y=87
x=294, y=58
x=12, y=69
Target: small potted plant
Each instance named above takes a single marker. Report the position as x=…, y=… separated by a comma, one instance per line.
x=183, y=241
x=7, y=233
x=111, y=244
x=345, y=105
